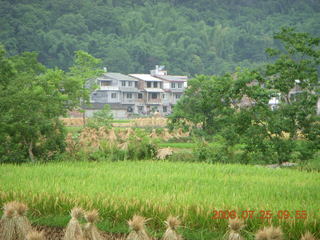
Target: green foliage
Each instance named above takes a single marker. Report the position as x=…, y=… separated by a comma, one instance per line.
x=189, y=37
x=32, y=98
x=236, y=106
x=101, y=118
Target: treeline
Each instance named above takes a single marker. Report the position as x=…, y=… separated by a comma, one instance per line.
x=189, y=37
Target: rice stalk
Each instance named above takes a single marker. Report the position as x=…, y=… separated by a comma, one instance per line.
x=23, y=226
x=269, y=233
x=172, y=224
x=8, y=225
x=137, y=229
x=73, y=230
x=235, y=226
x=91, y=232
x=308, y=236
x=163, y=153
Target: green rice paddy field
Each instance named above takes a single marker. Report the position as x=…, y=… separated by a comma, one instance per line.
x=192, y=191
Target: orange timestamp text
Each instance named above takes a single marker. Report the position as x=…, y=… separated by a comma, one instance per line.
x=260, y=214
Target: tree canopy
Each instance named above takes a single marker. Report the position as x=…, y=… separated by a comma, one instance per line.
x=189, y=37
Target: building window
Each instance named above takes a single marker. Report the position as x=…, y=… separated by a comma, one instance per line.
x=105, y=83
x=177, y=96
x=140, y=108
x=123, y=83
x=113, y=95
x=154, y=95
x=164, y=96
x=165, y=109
x=149, y=84
x=140, y=95
x=179, y=85
x=173, y=85
x=130, y=84
x=129, y=95
x=155, y=84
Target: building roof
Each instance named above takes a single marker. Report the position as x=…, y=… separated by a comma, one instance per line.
x=173, y=78
x=146, y=77
x=155, y=90
x=116, y=76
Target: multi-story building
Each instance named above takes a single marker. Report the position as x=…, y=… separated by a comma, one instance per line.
x=140, y=94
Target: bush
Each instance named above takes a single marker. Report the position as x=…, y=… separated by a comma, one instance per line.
x=102, y=118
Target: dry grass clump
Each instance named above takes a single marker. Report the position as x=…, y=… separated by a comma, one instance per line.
x=8, y=222
x=163, y=153
x=73, y=230
x=308, y=236
x=137, y=228
x=269, y=233
x=34, y=235
x=90, y=230
x=15, y=224
x=235, y=226
x=23, y=225
x=172, y=224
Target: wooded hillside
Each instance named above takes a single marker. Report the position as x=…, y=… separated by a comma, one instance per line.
x=189, y=37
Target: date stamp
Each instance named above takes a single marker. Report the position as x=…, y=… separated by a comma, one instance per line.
x=259, y=214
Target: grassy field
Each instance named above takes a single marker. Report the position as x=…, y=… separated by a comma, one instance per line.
x=157, y=189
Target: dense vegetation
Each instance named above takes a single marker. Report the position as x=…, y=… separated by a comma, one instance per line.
x=191, y=191
x=189, y=37
x=236, y=109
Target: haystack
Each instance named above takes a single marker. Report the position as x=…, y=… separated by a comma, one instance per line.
x=308, y=236
x=269, y=233
x=166, y=135
x=73, y=230
x=262, y=234
x=171, y=233
x=163, y=153
x=153, y=134
x=123, y=146
x=235, y=226
x=274, y=233
x=112, y=136
x=130, y=132
x=8, y=225
x=137, y=229
x=34, y=235
x=23, y=226
x=90, y=230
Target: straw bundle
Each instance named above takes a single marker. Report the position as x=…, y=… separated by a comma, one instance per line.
x=308, y=236
x=112, y=136
x=269, y=233
x=34, y=235
x=153, y=134
x=8, y=222
x=262, y=234
x=73, y=230
x=235, y=226
x=275, y=233
x=23, y=226
x=171, y=233
x=90, y=230
x=137, y=227
x=130, y=132
x=163, y=153
x=166, y=135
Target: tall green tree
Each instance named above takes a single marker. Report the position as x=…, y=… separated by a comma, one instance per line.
x=32, y=98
